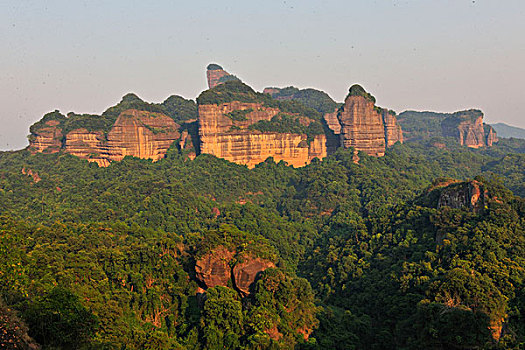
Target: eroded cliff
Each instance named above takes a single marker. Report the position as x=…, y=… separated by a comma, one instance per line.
x=232, y=140
x=468, y=129
x=364, y=126
x=225, y=267
x=216, y=75
x=135, y=133
x=245, y=127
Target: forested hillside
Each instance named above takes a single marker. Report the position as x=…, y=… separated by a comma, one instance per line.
x=422, y=248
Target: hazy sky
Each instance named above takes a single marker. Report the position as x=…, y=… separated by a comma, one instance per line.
x=83, y=56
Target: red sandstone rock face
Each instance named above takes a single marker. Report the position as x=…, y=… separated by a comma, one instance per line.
x=87, y=145
x=469, y=195
x=135, y=133
x=214, y=77
x=33, y=174
x=361, y=126
x=141, y=134
x=214, y=269
x=470, y=132
x=231, y=140
x=332, y=122
x=393, y=132
x=246, y=272
x=491, y=135
x=47, y=139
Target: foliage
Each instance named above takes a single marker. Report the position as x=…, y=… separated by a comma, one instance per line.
x=179, y=108
x=358, y=90
x=239, y=114
x=59, y=320
x=388, y=268
x=238, y=91
x=213, y=66
x=312, y=98
x=285, y=123
x=55, y=115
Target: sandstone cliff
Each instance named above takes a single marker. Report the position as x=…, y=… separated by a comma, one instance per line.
x=232, y=140
x=332, y=122
x=468, y=195
x=135, y=133
x=46, y=134
x=141, y=134
x=468, y=129
x=361, y=125
x=217, y=268
x=216, y=75
x=87, y=145
x=393, y=132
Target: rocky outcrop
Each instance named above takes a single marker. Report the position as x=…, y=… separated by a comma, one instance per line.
x=33, y=174
x=393, y=132
x=47, y=139
x=141, y=134
x=88, y=145
x=362, y=126
x=135, y=133
x=491, y=136
x=216, y=75
x=246, y=272
x=463, y=195
x=215, y=269
x=333, y=122
x=225, y=137
x=468, y=129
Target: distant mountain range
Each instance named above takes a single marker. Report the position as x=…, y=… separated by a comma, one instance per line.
x=508, y=131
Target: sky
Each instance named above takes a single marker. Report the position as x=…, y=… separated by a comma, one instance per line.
x=83, y=56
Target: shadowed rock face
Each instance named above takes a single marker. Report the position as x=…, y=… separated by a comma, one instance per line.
x=246, y=272
x=332, y=122
x=214, y=269
x=469, y=195
x=233, y=141
x=393, y=131
x=468, y=129
x=491, y=135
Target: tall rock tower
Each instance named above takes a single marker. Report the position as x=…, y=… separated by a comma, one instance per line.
x=216, y=75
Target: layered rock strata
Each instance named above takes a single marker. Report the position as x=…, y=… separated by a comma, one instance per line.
x=468, y=129
x=226, y=138
x=333, y=122
x=393, y=132
x=361, y=126
x=87, y=145
x=141, y=134
x=48, y=139
x=135, y=133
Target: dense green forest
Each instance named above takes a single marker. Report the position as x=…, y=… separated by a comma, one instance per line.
x=366, y=255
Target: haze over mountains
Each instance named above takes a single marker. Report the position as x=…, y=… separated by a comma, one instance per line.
x=234, y=122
